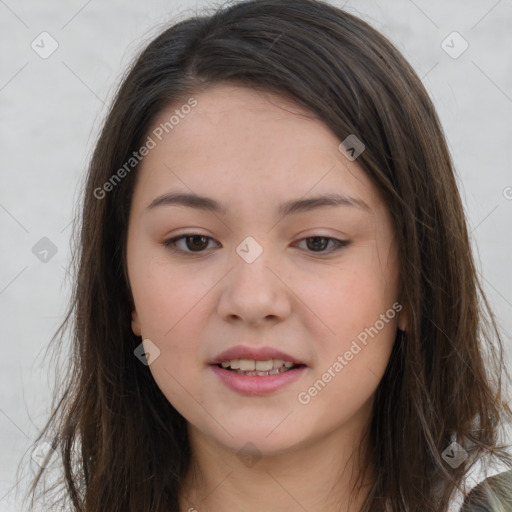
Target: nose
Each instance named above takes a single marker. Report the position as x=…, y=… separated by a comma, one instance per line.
x=254, y=291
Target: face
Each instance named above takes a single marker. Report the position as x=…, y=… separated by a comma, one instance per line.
x=316, y=281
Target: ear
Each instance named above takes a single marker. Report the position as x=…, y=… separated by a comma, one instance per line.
x=136, y=324
x=403, y=318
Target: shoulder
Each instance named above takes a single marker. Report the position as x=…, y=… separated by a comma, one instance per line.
x=494, y=494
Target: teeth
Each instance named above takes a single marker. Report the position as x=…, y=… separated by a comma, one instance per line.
x=263, y=366
x=266, y=367
x=247, y=365
x=274, y=371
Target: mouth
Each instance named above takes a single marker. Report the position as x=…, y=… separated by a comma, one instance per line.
x=254, y=368
x=253, y=378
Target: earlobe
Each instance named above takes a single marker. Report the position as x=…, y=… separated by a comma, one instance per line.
x=136, y=324
x=402, y=319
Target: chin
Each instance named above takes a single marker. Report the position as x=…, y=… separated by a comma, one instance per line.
x=248, y=439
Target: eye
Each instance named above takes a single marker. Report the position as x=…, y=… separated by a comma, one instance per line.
x=319, y=243
x=193, y=241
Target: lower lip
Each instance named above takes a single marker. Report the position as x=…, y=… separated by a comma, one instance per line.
x=255, y=384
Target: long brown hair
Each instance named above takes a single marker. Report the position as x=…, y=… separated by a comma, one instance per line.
x=123, y=446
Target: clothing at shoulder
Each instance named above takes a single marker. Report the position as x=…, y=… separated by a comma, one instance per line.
x=478, y=499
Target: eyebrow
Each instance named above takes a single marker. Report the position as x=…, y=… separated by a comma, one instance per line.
x=199, y=202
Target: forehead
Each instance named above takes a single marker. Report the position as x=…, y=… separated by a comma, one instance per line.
x=231, y=121
x=244, y=142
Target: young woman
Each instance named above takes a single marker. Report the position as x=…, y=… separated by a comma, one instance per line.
x=276, y=305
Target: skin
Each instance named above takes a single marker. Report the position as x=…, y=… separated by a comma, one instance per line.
x=252, y=151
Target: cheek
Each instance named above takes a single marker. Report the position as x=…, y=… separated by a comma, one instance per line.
x=170, y=305
x=350, y=364
x=351, y=298
x=166, y=298
x=355, y=319
x=170, y=310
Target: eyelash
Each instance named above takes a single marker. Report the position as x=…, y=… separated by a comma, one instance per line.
x=170, y=244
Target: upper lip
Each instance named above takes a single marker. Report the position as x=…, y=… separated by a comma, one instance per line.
x=253, y=353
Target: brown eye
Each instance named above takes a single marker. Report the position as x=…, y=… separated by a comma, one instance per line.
x=194, y=243
x=320, y=243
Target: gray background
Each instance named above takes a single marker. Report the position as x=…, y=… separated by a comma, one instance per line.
x=51, y=110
